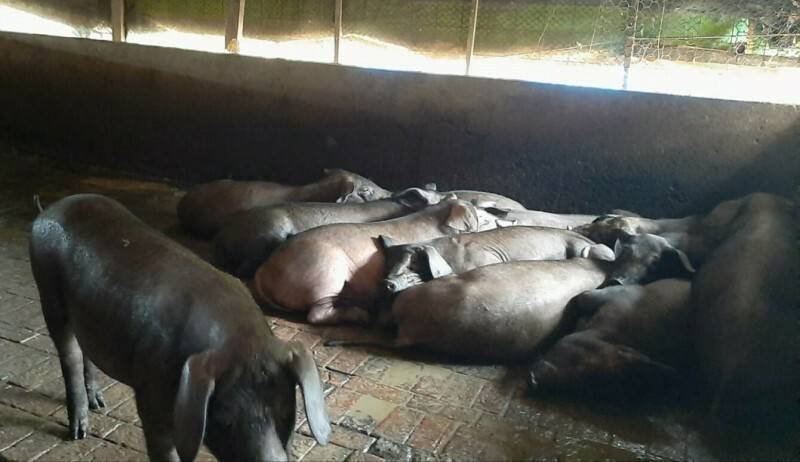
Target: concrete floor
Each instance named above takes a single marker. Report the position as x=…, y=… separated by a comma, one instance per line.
x=384, y=405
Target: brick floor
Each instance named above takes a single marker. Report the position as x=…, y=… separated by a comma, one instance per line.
x=384, y=406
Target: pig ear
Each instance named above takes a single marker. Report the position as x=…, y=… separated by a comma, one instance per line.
x=623, y=237
x=191, y=404
x=437, y=265
x=498, y=212
x=598, y=252
x=386, y=241
x=304, y=370
x=503, y=220
x=463, y=218
x=416, y=197
x=617, y=248
x=348, y=193
x=675, y=263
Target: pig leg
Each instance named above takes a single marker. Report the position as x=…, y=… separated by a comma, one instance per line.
x=71, y=359
x=93, y=392
x=157, y=427
x=69, y=352
x=324, y=312
x=583, y=363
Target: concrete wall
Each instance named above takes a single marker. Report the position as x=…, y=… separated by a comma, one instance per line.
x=197, y=116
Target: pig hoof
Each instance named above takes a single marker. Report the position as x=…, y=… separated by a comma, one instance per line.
x=96, y=400
x=532, y=383
x=79, y=427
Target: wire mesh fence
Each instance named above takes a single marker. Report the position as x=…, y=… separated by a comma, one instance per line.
x=619, y=34
x=200, y=16
x=746, y=32
x=587, y=30
x=739, y=32
x=288, y=18
x=436, y=27
x=728, y=32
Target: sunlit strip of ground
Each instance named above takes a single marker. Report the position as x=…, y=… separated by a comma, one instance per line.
x=743, y=83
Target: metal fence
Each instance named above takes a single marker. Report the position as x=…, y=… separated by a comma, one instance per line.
x=740, y=32
x=626, y=32
x=732, y=31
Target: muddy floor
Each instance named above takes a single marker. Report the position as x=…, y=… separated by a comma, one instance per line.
x=384, y=405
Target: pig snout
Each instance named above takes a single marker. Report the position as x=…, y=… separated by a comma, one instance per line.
x=399, y=282
x=392, y=286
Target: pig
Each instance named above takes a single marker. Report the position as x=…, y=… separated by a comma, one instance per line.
x=413, y=264
x=334, y=272
x=695, y=235
x=508, y=311
x=247, y=238
x=202, y=210
x=486, y=199
x=204, y=365
x=543, y=219
x=607, y=228
x=629, y=339
x=744, y=329
x=480, y=198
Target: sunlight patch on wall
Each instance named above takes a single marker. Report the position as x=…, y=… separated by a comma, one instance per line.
x=179, y=39
x=312, y=50
x=15, y=20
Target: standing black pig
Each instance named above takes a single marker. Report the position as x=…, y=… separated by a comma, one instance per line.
x=189, y=339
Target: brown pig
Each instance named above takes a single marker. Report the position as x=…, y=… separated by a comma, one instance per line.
x=334, y=272
x=248, y=237
x=745, y=327
x=412, y=264
x=630, y=338
x=507, y=311
x=203, y=208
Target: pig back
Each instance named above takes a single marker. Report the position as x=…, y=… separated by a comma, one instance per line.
x=746, y=313
x=203, y=209
x=126, y=286
x=498, y=312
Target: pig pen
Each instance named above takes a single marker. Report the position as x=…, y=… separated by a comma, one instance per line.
x=86, y=116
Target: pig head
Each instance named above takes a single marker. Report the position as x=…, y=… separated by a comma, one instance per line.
x=629, y=340
x=243, y=405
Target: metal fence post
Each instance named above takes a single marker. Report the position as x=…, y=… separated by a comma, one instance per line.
x=630, y=40
x=234, y=23
x=473, y=25
x=337, y=31
x=118, y=20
